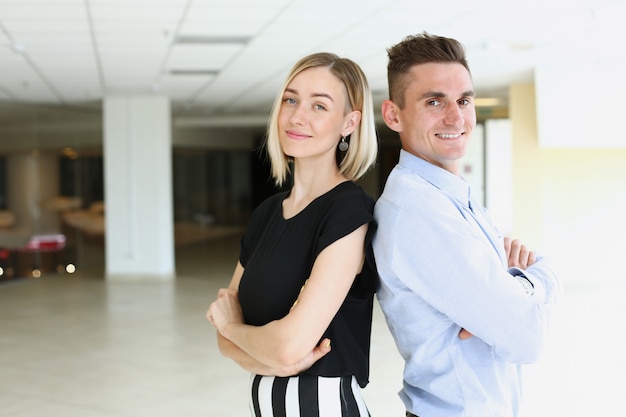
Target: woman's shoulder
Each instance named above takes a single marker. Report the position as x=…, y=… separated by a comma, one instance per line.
x=347, y=202
x=267, y=207
x=271, y=201
x=351, y=195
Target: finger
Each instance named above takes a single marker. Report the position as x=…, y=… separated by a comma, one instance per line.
x=325, y=345
x=532, y=258
x=507, y=246
x=524, y=257
x=464, y=334
x=514, y=255
x=320, y=350
x=209, y=315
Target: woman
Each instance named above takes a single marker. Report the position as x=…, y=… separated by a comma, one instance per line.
x=306, y=275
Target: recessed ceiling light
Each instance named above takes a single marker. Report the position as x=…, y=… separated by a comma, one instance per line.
x=193, y=72
x=18, y=48
x=193, y=39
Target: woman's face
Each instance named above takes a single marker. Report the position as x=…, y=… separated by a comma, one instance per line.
x=313, y=115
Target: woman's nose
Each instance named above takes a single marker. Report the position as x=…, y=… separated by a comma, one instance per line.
x=298, y=115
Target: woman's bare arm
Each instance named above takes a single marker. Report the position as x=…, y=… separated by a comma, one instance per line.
x=290, y=340
x=232, y=351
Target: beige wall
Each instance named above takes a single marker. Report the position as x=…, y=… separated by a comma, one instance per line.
x=570, y=203
x=527, y=166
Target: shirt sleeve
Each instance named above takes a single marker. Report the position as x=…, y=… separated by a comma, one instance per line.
x=345, y=213
x=445, y=260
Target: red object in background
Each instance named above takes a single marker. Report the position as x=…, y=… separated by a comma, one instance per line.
x=45, y=243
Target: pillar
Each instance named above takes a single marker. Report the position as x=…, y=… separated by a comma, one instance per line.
x=138, y=188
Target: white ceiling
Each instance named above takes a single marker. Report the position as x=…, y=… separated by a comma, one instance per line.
x=228, y=58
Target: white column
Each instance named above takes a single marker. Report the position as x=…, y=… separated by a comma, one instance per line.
x=138, y=188
x=499, y=155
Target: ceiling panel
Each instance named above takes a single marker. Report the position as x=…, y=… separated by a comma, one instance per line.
x=201, y=56
x=78, y=51
x=181, y=88
x=34, y=11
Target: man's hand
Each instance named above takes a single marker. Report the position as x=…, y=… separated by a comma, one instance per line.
x=464, y=334
x=518, y=255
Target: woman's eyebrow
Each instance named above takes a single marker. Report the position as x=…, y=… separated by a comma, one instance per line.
x=294, y=91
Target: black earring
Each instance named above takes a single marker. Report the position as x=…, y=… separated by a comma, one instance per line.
x=343, y=145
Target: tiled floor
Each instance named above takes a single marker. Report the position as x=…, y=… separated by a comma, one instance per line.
x=78, y=346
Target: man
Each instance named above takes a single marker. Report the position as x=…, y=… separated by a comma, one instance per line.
x=465, y=305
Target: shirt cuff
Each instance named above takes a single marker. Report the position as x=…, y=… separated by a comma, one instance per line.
x=521, y=277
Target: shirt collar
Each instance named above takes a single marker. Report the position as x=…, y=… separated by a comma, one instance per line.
x=437, y=176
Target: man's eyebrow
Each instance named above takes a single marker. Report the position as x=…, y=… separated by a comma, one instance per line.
x=439, y=94
x=430, y=94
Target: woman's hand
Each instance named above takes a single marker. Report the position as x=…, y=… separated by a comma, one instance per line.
x=225, y=309
x=305, y=363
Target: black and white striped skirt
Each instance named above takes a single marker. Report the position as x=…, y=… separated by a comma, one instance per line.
x=306, y=396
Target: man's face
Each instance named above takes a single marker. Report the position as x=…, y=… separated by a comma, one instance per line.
x=438, y=117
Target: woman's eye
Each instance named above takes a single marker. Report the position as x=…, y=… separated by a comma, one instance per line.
x=319, y=107
x=289, y=100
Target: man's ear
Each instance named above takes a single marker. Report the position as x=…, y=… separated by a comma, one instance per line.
x=390, y=115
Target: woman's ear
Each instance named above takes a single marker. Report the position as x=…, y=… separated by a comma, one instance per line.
x=390, y=115
x=352, y=121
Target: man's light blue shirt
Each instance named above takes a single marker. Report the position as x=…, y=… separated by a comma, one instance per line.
x=443, y=267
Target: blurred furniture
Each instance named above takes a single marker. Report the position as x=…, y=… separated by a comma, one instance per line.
x=89, y=221
x=41, y=254
x=23, y=254
x=7, y=219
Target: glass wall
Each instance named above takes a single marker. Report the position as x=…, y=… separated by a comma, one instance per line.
x=52, y=202
x=212, y=194
x=35, y=191
x=211, y=186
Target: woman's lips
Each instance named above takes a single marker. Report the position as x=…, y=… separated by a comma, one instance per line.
x=296, y=135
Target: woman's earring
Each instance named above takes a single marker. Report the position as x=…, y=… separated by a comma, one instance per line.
x=343, y=145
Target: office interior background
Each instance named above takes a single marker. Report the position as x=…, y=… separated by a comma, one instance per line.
x=129, y=163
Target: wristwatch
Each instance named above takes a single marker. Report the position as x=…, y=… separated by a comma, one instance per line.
x=526, y=284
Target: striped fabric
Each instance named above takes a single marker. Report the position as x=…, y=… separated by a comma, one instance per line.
x=306, y=396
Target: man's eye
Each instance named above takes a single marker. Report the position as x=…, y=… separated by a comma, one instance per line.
x=434, y=102
x=465, y=102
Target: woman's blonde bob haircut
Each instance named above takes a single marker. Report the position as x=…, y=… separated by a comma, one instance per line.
x=363, y=149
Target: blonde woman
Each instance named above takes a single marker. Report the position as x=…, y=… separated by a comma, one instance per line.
x=298, y=311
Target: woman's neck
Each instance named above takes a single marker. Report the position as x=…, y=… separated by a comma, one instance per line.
x=308, y=185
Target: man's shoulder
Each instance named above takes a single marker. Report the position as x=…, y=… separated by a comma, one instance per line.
x=404, y=186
